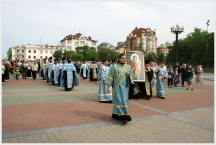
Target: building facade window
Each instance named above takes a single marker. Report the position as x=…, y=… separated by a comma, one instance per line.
x=82, y=42
x=76, y=43
x=17, y=51
x=34, y=57
x=22, y=51
x=41, y=57
x=34, y=51
x=69, y=42
x=69, y=47
x=29, y=51
x=29, y=56
x=51, y=52
x=46, y=52
x=41, y=51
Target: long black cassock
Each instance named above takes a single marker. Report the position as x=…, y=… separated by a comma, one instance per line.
x=69, y=76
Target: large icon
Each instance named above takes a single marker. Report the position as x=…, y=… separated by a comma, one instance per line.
x=136, y=60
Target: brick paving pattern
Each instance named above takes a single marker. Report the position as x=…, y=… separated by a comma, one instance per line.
x=36, y=112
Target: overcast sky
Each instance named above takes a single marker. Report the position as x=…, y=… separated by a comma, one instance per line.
x=26, y=22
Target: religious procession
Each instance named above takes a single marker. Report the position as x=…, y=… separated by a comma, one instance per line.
x=128, y=77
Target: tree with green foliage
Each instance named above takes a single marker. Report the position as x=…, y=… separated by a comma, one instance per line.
x=92, y=48
x=103, y=53
x=9, y=54
x=82, y=50
x=76, y=57
x=151, y=56
x=68, y=53
x=113, y=54
x=58, y=54
x=92, y=55
x=193, y=49
x=160, y=58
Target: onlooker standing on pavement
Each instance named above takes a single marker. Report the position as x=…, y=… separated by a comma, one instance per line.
x=198, y=73
x=29, y=69
x=7, y=70
x=17, y=71
x=183, y=74
x=13, y=66
x=38, y=63
x=154, y=80
x=176, y=76
x=3, y=70
x=34, y=69
x=170, y=76
x=24, y=70
x=123, y=75
x=179, y=70
x=189, y=77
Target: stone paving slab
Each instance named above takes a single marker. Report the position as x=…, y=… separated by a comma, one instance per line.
x=37, y=112
x=154, y=130
x=181, y=101
x=47, y=115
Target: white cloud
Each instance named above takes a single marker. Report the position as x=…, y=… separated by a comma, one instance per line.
x=25, y=22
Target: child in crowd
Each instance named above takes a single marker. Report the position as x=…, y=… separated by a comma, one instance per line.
x=17, y=71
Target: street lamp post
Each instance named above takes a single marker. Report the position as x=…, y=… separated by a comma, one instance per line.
x=207, y=43
x=177, y=30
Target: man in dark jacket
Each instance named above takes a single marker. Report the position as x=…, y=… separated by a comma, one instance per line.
x=183, y=74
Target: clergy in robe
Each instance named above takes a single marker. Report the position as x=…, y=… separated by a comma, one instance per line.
x=55, y=72
x=84, y=70
x=43, y=69
x=60, y=69
x=162, y=74
x=119, y=77
x=69, y=75
x=145, y=87
x=93, y=71
x=49, y=70
x=103, y=96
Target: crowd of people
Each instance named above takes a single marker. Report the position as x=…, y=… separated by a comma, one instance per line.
x=115, y=78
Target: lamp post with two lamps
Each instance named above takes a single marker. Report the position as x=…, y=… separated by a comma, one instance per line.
x=176, y=30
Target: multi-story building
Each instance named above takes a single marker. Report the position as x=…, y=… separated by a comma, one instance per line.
x=32, y=52
x=163, y=49
x=105, y=45
x=144, y=38
x=70, y=42
x=121, y=44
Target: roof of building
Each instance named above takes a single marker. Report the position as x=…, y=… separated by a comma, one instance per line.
x=77, y=36
x=143, y=30
x=105, y=44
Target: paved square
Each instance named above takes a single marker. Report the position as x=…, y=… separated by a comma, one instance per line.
x=34, y=111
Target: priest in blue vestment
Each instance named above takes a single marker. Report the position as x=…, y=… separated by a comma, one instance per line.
x=60, y=70
x=103, y=96
x=69, y=75
x=49, y=70
x=55, y=72
x=162, y=74
x=120, y=76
